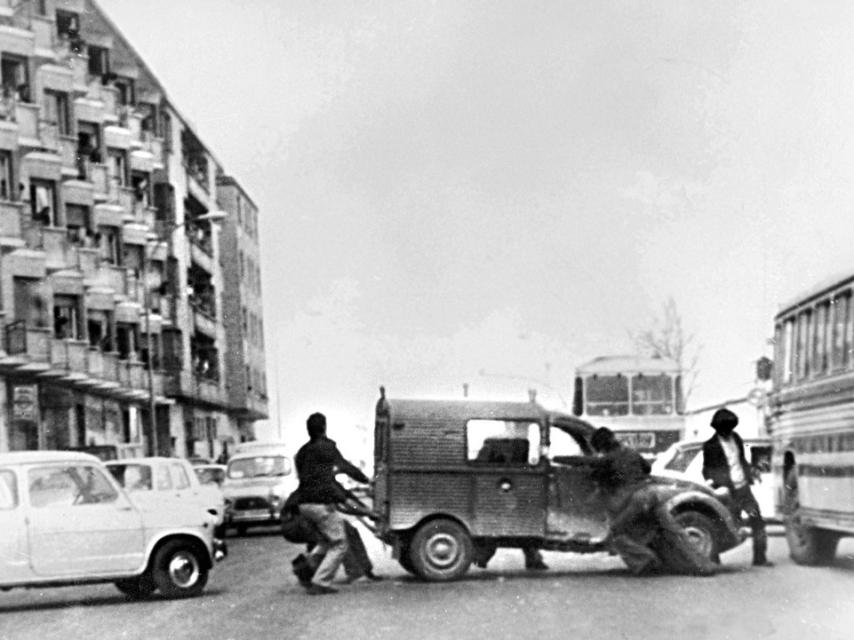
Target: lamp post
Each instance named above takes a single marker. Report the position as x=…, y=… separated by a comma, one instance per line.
x=214, y=216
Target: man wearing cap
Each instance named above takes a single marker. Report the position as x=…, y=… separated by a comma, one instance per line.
x=724, y=465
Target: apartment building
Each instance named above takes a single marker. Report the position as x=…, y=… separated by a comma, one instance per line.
x=121, y=292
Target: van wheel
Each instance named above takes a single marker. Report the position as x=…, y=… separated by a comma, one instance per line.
x=700, y=530
x=178, y=570
x=808, y=545
x=137, y=588
x=441, y=550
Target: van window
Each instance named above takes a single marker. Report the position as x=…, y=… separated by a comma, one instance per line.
x=8, y=490
x=515, y=442
x=563, y=445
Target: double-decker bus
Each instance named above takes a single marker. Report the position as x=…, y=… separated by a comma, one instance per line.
x=811, y=419
x=638, y=398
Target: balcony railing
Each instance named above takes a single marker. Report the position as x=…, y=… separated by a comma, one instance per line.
x=34, y=342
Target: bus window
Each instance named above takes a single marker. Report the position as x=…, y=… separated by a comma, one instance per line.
x=819, y=358
x=841, y=342
x=607, y=395
x=802, y=353
x=652, y=395
x=787, y=357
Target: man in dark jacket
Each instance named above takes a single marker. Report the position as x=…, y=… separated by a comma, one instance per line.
x=724, y=465
x=317, y=462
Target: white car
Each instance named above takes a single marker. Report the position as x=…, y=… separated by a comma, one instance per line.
x=150, y=480
x=66, y=521
x=684, y=459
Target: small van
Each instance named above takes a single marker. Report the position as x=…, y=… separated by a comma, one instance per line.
x=259, y=478
x=456, y=479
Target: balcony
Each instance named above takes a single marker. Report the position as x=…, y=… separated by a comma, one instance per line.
x=203, y=322
x=196, y=388
x=27, y=117
x=10, y=219
x=69, y=356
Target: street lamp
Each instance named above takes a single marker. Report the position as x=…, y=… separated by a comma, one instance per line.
x=213, y=216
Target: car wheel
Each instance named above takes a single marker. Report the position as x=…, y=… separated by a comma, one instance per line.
x=441, y=550
x=700, y=530
x=178, y=570
x=138, y=588
x=808, y=545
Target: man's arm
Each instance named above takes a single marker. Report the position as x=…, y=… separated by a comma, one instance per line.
x=344, y=466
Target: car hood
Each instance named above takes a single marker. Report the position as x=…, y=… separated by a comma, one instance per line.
x=260, y=486
x=680, y=484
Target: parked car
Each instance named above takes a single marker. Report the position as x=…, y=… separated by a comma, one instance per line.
x=454, y=480
x=66, y=521
x=150, y=480
x=213, y=474
x=257, y=483
x=684, y=460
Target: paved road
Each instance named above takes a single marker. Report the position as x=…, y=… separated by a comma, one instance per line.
x=253, y=595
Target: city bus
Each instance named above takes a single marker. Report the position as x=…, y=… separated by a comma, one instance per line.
x=639, y=398
x=811, y=419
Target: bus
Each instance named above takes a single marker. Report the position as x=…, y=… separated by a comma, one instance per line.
x=811, y=419
x=638, y=398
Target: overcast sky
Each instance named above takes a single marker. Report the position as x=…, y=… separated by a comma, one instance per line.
x=494, y=192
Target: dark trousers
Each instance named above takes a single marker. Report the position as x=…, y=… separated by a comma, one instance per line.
x=743, y=500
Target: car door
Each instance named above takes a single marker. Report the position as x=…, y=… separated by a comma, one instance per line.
x=14, y=557
x=80, y=523
x=509, y=492
x=576, y=505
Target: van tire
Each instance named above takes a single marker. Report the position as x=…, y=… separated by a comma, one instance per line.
x=808, y=545
x=441, y=550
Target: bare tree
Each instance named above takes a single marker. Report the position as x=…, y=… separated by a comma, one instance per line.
x=667, y=339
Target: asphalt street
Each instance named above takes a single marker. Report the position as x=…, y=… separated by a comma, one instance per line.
x=253, y=595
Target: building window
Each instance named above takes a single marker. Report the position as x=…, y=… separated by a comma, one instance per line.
x=127, y=91
x=99, y=328
x=77, y=223
x=141, y=183
x=108, y=243
x=14, y=77
x=99, y=60
x=117, y=165
x=43, y=201
x=66, y=317
x=127, y=340
x=30, y=306
x=67, y=24
x=56, y=110
x=132, y=257
x=7, y=179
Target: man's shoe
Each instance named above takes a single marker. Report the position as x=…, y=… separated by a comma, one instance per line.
x=762, y=562
x=537, y=566
x=370, y=575
x=319, y=590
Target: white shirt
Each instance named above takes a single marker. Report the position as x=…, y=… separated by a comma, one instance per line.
x=736, y=471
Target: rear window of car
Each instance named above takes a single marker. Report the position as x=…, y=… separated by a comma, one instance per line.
x=133, y=477
x=259, y=466
x=682, y=460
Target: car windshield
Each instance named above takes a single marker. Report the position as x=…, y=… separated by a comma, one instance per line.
x=682, y=459
x=133, y=477
x=259, y=466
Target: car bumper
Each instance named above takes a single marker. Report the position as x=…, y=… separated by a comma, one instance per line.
x=254, y=516
x=220, y=549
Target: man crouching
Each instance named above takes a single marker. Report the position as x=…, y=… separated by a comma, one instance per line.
x=643, y=532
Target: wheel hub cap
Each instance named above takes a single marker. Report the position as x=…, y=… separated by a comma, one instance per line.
x=442, y=550
x=183, y=570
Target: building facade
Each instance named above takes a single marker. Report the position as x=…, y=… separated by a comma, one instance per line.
x=117, y=276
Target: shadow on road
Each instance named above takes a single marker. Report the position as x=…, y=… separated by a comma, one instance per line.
x=90, y=601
